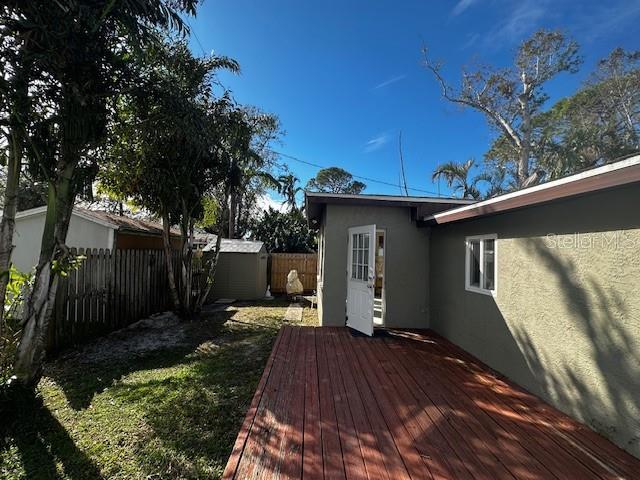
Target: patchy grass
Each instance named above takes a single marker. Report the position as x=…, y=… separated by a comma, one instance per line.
x=168, y=413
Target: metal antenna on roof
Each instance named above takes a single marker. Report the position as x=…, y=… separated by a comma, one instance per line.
x=404, y=178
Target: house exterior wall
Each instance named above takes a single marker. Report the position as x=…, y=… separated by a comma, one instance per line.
x=320, y=269
x=406, y=251
x=28, y=236
x=565, y=321
x=132, y=241
x=242, y=276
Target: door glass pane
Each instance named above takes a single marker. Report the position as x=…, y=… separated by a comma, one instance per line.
x=365, y=251
x=354, y=255
x=474, y=267
x=489, y=264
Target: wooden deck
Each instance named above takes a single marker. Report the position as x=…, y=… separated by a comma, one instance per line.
x=408, y=405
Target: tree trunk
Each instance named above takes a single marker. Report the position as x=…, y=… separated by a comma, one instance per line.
x=210, y=271
x=525, y=146
x=232, y=213
x=187, y=266
x=39, y=301
x=168, y=254
x=20, y=107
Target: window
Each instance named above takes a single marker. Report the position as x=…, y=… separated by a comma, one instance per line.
x=360, y=256
x=480, y=268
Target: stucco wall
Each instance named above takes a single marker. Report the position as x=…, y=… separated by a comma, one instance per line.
x=28, y=235
x=406, y=272
x=565, y=323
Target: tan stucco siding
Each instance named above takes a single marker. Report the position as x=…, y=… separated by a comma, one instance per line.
x=406, y=272
x=241, y=276
x=565, y=323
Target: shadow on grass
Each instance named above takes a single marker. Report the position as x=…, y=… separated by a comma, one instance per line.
x=43, y=443
x=196, y=415
x=80, y=381
x=172, y=412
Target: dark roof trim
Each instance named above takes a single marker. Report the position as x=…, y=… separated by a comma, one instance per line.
x=420, y=206
x=608, y=176
x=390, y=200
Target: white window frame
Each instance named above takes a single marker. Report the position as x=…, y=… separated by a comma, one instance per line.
x=467, y=264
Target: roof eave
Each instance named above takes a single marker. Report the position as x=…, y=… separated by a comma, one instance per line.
x=612, y=175
x=316, y=201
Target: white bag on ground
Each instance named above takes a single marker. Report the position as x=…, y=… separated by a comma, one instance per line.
x=294, y=285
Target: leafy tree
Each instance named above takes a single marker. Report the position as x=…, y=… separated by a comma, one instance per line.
x=172, y=145
x=284, y=232
x=78, y=50
x=456, y=175
x=510, y=97
x=335, y=180
x=596, y=125
x=617, y=80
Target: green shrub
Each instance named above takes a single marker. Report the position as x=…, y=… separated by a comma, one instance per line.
x=19, y=282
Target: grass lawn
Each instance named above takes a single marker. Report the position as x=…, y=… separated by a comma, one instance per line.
x=145, y=403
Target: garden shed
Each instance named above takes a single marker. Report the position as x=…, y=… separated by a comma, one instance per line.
x=242, y=269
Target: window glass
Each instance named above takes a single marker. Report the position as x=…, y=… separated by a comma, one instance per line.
x=481, y=264
x=489, y=264
x=474, y=270
x=360, y=244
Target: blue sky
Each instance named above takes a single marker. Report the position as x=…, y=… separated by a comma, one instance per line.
x=345, y=76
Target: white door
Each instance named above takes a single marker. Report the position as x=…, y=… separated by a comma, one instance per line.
x=361, y=278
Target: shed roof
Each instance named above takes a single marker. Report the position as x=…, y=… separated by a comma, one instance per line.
x=228, y=245
x=623, y=172
x=315, y=201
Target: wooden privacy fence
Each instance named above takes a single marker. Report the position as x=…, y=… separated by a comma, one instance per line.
x=282, y=263
x=109, y=290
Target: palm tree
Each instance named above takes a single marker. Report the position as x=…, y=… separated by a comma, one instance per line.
x=289, y=190
x=456, y=175
x=496, y=182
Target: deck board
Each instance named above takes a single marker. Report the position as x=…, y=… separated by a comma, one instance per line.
x=407, y=405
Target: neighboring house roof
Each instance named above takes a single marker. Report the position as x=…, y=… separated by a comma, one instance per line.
x=623, y=172
x=235, y=246
x=111, y=220
x=122, y=223
x=315, y=201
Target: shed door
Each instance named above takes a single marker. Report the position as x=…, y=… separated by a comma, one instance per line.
x=361, y=277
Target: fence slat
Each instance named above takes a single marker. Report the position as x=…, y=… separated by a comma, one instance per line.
x=282, y=263
x=109, y=290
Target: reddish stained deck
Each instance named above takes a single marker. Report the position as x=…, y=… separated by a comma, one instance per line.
x=409, y=405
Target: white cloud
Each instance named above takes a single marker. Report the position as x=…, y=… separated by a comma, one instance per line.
x=265, y=201
x=377, y=142
x=461, y=6
x=390, y=81
x=607, y=18
x=519, y=20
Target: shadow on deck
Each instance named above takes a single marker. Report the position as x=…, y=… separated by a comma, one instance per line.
x=405, y=405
